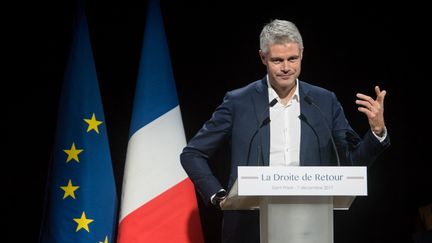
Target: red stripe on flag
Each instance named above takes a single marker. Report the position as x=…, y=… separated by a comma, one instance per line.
x=170, y=217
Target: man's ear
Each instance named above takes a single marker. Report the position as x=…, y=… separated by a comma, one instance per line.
x=262, y=56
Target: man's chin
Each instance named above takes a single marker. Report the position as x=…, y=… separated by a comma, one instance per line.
x=286, y=83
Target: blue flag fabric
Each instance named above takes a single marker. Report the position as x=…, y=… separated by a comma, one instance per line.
x=155, y=92
x=81, y=194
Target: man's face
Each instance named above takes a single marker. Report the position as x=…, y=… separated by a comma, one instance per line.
x=283, y=63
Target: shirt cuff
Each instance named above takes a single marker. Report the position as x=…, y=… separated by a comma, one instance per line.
x=211, y=198
x=383, y=137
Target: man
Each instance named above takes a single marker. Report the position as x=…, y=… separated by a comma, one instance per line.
x=279, y=121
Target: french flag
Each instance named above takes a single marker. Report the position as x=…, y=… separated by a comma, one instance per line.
x=158, y=202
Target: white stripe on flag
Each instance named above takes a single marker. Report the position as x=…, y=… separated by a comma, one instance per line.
x=152, y=161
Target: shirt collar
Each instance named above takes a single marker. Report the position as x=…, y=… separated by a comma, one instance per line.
x=273, y=94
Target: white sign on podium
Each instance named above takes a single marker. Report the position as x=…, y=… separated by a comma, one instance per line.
x=301, y=180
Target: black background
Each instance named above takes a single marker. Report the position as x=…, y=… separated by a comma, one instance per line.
x=349, y=48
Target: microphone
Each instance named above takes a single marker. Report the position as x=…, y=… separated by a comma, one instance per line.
x=302, y=117
x=262, y=122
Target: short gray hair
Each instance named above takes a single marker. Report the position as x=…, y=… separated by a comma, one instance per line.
x=279, y=32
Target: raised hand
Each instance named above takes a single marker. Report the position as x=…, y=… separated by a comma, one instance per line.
x=373, y=109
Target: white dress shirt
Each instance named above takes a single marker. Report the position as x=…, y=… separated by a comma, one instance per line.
x=284, y=130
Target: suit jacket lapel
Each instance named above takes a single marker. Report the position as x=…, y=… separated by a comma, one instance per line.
x=260, y=100
x=307, y=126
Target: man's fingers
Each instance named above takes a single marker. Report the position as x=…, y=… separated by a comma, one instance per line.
x=365, y=97
x=380, y=94
x=364, y=103
x=377, y=90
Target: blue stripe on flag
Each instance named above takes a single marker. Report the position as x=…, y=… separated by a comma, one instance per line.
x=155, y=90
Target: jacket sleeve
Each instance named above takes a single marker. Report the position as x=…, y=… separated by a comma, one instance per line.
x=352, y=149
x=195, y=156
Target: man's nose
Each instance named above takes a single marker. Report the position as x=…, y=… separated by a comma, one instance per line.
x=285, y=66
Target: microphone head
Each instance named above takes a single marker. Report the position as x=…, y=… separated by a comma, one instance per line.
x=302, y=117
x=273, y=102
x=308, y=100
x=265, y=122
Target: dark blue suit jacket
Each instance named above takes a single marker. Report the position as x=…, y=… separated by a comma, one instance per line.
x=238, y=119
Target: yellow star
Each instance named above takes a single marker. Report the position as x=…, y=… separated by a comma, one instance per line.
x=83, y=222
x=93, y=124
x=69, y=190
x=105, y=241
x=72, y=153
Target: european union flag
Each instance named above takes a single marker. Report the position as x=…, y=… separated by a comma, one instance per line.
x=81, y=198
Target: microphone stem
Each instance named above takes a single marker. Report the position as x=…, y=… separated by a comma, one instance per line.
x=310, y=102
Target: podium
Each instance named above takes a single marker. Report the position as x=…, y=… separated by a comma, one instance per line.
x=296, y=203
